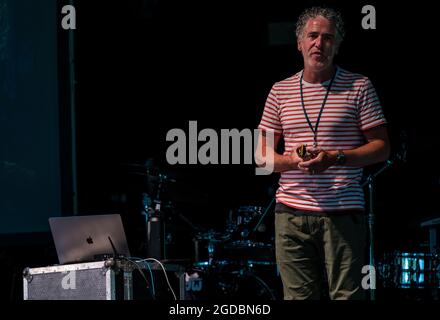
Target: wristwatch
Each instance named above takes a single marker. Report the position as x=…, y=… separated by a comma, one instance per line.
x=341, y=158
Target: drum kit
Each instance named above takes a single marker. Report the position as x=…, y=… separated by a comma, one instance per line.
x=236, y=260
x=239, y=260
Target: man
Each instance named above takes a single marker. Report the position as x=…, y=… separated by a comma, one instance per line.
x=337, y=118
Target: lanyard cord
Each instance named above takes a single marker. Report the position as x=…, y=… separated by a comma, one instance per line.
x=315, y=130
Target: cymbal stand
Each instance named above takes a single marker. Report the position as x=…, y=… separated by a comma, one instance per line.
x=266, y=211
x=371, y=220
x=155, y=224
x=157, y=218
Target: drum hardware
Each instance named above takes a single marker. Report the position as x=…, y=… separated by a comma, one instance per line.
x=410, y=270
x=229, y=283
x=231, y=262
x=371, y=216
x=221, y=273
x=158, y=214
x=262, y=288
x=207, y=245
x=215, y=266
x=433, y=226
x=248, y=251
x=240, y=220
x=248, y=221
x=401, y=156
x=239, y=245
x=266, y=211
x=155, y=221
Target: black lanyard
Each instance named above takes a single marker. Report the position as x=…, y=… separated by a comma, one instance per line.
x=315, y=130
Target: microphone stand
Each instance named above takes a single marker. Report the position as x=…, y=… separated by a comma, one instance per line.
x=371, y=220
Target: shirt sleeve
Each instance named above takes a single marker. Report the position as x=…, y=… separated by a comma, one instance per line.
x=370, y=112
x=270, y=119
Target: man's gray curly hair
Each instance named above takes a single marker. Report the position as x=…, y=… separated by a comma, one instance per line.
x=328, y=13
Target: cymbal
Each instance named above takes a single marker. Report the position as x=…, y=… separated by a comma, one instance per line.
x=137, y=166
x=184, y=193
x=152, y=173
x=180, y=185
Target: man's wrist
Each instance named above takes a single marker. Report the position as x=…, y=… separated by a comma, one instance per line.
x=291, y=163
x=339, y=157
x=333, y=157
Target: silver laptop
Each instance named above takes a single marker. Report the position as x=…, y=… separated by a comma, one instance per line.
x=88, y=238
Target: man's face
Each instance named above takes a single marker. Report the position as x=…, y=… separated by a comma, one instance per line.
x=318, y=44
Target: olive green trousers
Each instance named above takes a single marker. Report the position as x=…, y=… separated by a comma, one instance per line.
x=314, y=250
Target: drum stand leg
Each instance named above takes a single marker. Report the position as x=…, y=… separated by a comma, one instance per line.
x=434, y=262
x=371, y=238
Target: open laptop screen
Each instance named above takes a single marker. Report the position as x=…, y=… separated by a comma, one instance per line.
x=84, y=238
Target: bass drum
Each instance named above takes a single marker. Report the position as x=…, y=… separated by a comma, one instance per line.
x=229, y=282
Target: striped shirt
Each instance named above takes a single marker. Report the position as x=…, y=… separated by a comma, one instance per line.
x=351, y=108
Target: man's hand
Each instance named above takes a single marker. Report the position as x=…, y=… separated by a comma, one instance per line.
x=320, y=163
x=296, y=159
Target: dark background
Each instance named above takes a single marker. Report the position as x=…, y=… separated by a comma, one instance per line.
x=29, y=116
x=144, y=67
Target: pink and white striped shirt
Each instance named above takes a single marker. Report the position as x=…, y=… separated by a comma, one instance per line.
x=352, y=107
